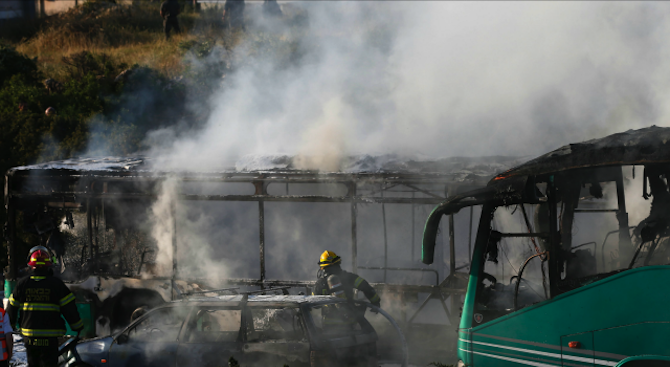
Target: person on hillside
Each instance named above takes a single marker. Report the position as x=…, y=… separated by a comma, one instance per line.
x=169, y=11
x=42, y=299
x=271, y=9
x=233, y=14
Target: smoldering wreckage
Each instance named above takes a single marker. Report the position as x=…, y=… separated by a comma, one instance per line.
x=114, y=268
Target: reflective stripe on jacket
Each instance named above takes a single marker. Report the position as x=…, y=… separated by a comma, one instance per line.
x=42, y=299
x=347, y=283
x=341, y=284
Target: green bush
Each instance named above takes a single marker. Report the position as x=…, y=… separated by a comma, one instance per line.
x=27, y=134
x=92, y=112
x=13, y=63
x=101, y=65
x=148, y=100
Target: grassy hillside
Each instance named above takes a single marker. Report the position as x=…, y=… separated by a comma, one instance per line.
x=127, y=33
x=116, y=53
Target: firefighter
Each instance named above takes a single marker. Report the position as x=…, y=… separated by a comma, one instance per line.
x=333, y=280
x=169, y=11
x=339, y=283
x=42, y=299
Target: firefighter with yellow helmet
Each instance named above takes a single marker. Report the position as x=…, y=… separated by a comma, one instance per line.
x=339, y=283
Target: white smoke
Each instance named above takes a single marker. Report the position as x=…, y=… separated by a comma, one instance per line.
x=163, y=226
x=441, y=79
x=430, y=78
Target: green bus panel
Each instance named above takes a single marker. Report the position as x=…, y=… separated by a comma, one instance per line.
x=621, y=316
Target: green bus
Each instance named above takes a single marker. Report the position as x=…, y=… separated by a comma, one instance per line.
x=571, y=263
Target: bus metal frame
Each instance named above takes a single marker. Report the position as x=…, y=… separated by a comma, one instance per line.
x=613, y=319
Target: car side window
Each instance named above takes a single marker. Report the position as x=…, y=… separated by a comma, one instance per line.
x=275, y=324
x=162, y=325
x=214, y=325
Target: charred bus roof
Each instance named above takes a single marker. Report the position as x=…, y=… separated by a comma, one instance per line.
x=644, y=146
x=649, y=145
x=77, y=179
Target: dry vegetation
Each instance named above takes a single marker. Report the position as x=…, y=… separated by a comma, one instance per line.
x=127, y=33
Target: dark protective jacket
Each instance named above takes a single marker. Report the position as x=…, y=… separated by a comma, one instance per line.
x=342, y=283
x=42, y=298
x=170, y=9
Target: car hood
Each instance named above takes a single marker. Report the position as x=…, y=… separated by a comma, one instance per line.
x=95, y=349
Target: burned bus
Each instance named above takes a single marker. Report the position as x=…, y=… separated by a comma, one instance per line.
x=571, y=258
x=131, y=236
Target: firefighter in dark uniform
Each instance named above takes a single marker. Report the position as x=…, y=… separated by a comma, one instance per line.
x=342, y=318
x=339, y=283
x=42, y=299
x=169, y=11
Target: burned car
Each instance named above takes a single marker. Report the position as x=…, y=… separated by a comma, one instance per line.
x=254, y=330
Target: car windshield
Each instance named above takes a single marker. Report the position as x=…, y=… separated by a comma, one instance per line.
x=161, y=325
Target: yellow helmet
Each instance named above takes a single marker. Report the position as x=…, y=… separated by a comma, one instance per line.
x=329, y=258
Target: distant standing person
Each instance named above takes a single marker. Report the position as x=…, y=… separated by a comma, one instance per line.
x=233, y=14
x=271, y=8
x=169, y=11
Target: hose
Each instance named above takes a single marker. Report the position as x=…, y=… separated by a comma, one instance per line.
x=401, y=336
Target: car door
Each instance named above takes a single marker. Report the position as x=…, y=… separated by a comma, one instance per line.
x=275, y=335
x=152, y=341
x=211, y=337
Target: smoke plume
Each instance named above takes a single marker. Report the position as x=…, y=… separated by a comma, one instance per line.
x=434, y=79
